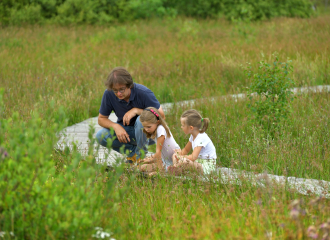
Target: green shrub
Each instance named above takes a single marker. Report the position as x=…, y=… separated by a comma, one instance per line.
x=47, y=194
x=270, y=94
x=251, y=10
x=27, y=14
x=106, y=11
x=149, y=8
x=196, y=8
x=81, y=11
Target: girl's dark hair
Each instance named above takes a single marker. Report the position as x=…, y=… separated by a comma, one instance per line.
x=193, y=118
x=119, y=75
x=147, y=116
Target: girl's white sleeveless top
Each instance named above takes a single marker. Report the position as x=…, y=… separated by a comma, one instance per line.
x=168, y=147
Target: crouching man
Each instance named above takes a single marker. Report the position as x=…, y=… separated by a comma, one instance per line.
x=127, y=99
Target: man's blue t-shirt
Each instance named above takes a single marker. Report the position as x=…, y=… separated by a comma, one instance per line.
x=141, y=97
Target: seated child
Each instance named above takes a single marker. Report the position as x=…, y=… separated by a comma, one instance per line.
x=203, y=157
x=155, y=127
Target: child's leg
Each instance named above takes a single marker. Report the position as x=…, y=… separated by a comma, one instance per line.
x=149, y=167
x=188, y=164
x=152, y=168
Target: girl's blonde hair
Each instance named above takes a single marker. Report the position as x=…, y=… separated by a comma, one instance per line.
x=148, y=116
x=193, y=118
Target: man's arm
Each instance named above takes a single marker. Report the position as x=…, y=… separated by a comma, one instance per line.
x=150, y=100
x=105, y=122
x=160, y=110
x=121, y=134
x=130, y=114
x=137, y=111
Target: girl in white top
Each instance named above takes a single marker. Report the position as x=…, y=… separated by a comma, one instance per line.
x=155, y=127
x=203, y=157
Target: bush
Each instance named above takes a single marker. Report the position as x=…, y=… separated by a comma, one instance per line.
x=251, y=10
x=196, y=8
x=106, y=11
x=149, y=8
x=49, y=194
x=27, y=14
x=272, y=102
x=83, y=11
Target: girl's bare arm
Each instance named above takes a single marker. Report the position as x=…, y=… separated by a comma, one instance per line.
x=195, y=153
x=158, y=155
x=186, y=149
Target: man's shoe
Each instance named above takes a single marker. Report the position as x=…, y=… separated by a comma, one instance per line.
x=132, y=160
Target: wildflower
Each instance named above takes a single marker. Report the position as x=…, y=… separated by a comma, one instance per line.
x=313, y=235
x=324, y=226
x=311, y=232
x=294, y=214
x=3, y=153
x=282, y=225
x=259, y=202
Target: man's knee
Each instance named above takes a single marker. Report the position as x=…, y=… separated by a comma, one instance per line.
x=140, y=136
x=99, y=135
x=138, y=126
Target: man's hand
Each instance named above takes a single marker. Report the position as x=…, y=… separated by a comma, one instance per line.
x=121, y=134
x=129, y=115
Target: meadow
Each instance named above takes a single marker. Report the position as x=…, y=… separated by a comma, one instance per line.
x=54, y=76
x=178, y=59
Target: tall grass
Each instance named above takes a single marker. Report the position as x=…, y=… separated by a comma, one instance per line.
x=301, y=150
x=43, y=68
x=180, y=209
x=177, y=58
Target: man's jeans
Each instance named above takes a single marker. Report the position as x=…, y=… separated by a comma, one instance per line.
x=138, y=139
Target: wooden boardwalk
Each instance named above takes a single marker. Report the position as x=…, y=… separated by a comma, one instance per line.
x=79, y=132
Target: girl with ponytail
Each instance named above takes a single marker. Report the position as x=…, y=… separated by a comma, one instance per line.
x=203, y=157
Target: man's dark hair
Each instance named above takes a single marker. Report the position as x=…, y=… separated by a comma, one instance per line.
x=119, y=75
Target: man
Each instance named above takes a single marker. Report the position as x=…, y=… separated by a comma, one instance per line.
x=127, y=99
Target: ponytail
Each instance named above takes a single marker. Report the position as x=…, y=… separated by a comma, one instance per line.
x=194, y=118
x=205, y=124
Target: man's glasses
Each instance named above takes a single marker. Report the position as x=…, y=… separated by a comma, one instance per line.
x=120, y=90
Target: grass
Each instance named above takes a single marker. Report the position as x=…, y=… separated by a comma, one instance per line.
x=178, y=59
x=45, y=67
x=302, y=150
x=179, y=209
